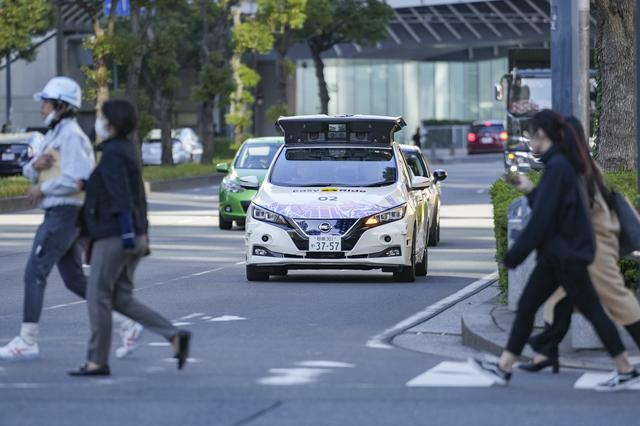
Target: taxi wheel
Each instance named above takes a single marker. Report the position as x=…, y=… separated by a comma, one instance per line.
x=434, y=232
x=225, y=224
x=255, y=274
x=421, y=267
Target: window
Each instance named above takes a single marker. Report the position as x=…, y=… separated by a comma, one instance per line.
x=256, y=156
x=416, y=165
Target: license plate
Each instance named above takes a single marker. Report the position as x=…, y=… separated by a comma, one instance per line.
x=8, y=156
x=486, y=139
x=325, y=243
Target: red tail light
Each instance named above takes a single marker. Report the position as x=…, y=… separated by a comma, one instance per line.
x=504, y=136
x=471, y=137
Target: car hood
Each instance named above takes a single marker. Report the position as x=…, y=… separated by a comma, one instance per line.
x=239, y=173
x=328, y=203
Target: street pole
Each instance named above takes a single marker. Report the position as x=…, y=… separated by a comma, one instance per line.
x=580, y=63
x=561, y=57
x=637, y=41
x=7, y=124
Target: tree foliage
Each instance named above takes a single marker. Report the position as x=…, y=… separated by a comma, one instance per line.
x=20, y=21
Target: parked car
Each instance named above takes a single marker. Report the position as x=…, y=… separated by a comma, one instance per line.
x=419, y=166
x=152, y=152
x=187, y=136
x=244, y=176
x=16, y=150
x=486, y=136
x=339, y=195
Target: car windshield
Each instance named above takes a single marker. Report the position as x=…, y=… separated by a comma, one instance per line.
x=529, y=95
x=335, y=167
x=256, y=156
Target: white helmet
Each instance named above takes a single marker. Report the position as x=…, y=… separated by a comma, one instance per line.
x=61, y=89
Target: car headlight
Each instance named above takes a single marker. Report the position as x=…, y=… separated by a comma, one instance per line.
x=231, y=186
x=265, y=215
x=386, y=216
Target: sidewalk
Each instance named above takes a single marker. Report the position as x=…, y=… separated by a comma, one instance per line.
x=480, y=323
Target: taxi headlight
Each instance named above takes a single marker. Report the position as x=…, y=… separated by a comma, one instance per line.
x=386, y=216
x=231, y=186
x=265, y=215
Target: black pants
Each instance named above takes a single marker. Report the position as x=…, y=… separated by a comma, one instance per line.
x=546, y=343
x=544, y=280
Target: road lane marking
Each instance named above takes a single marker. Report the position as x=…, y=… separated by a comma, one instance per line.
x=451, y=374
x=381, y=340
x=224, y=318
x=190, y=316
x=158, y=344
x=590, y=380
x=325, y=364
x=293, y=376
x=181, y=323
x=189, y=360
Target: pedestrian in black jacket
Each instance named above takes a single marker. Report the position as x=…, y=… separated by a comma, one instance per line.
x=115, y=219
x=561, y=231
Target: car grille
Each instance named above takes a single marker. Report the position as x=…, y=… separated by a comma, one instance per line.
x=348, y=242
x=325, y=255
x=245, y=205
x=338, y=226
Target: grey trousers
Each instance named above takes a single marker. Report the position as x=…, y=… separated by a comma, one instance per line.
x=111, y=287
x=55, y=243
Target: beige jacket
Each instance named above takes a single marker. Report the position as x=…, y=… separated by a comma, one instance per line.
x=617, y=300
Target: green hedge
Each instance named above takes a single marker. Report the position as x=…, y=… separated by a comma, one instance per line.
x=13, y=186
x=503, y=194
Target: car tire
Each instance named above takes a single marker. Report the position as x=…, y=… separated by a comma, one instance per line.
x=255, y=274
x=224, y=224
x=434, y=232
x=407, y=274
x=423, y=265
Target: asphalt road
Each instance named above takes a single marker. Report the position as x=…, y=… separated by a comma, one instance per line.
x=292, y=351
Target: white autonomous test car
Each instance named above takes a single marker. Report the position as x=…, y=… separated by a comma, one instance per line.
x=339, y=195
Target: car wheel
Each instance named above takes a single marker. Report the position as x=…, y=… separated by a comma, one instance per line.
x=255, y=274
x=225, y=224
x=407, y=274
x=421, y=267
x=434, y=232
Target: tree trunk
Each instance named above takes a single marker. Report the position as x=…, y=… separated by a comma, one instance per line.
x=281, y=73
x=205, y=129
x=134, y=71
x=323, y=91
x=166, y=112
x=615, y=49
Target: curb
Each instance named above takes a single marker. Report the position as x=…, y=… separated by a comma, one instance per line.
x=184, y=183
x=14, y=204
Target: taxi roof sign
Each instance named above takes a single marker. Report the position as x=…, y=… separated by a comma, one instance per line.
x=369, y=129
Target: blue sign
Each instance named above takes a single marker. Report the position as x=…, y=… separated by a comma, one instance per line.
x=123, y=7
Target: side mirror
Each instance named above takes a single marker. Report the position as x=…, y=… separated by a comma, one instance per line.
x=250, y=182
x=420, y=182
x=222, y=168
x=498, y=92
x=440, y=175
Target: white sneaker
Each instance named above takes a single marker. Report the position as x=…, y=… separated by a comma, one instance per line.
x=130, y=335
x=19, y=349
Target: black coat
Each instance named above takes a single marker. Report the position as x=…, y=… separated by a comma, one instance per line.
x=560, y=226
x=115, y=187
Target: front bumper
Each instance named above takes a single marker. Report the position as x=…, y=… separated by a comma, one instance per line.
x=386, y=247
x=234, y=205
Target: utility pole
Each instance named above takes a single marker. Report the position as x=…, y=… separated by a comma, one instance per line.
x=570, y=59
x=7, y=123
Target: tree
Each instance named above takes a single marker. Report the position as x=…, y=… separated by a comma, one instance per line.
x=283, y=18
x=101, y=45
x=214, y=82
x=248, y=37
x=615, y=35
x=20, y=21
x=331, y=22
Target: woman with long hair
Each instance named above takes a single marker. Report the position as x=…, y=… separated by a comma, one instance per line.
x=561, y=231
x=619, y=302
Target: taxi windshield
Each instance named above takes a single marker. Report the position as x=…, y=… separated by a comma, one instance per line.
x=256, y=156
x=335, y=167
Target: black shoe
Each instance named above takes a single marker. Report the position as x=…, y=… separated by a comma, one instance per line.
x=84, y=371
x=619, y=382
x=534, y=367
x=182, y=354
x=490, y=369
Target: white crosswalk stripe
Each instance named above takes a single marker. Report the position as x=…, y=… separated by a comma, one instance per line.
x=451, y=374
x=590, y=380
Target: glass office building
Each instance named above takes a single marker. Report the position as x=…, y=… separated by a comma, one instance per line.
x=415, y=90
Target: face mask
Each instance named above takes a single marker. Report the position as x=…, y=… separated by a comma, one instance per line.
x=49, y=118
x=102, y=128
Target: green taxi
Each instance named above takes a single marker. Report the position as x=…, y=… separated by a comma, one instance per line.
x=244, y=177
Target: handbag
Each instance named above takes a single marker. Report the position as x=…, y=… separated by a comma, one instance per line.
x=629, y=224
